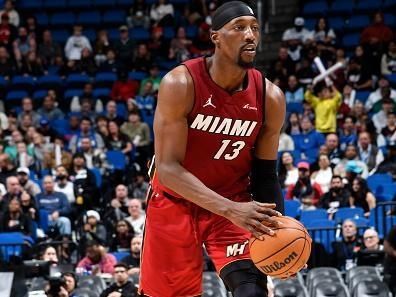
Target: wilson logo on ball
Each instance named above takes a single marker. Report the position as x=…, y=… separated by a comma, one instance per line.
x=279, y=265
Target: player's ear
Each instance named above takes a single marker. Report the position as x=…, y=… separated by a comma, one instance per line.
x=214, y=36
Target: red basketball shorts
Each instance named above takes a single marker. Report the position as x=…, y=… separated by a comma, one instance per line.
x=175, y=233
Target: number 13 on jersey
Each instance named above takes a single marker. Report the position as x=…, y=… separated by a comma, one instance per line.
x=236, y=147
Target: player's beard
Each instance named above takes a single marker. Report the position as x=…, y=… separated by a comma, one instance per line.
x=244, y=64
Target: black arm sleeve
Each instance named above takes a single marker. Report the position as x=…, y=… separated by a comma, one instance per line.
x=265, y=183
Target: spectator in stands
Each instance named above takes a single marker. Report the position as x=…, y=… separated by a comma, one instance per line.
x=377, y=33
x=102, y=126
x=196, y=11
x=48, y=132
x=369, y=153
x=143, y=58
x=325, y=39
x=48, y=49
x=337, y=196
x=146, y=102
x=389, y=164
x=102, y=45
x=7, y=67
x=120, y=201
x=389, y=131
x=286, y=142
x=288, y=173
x=306, y=192
x=124, y=88
x=49, y=109
x=295, y=37
x=358, y=71
x=371, y=241
x=133, y=260
x=122, y=236
x=27, y=108
x=179, y=46
x=14, y=220
x=29, y=207
x=41, y=148
x=138, y=18
x=345, y=250
x=348, y=135
x=309, y=139
x=124, y=48
x=286, y=65
x=7, y=31
x=325, y=101
x=349, y=97
x=137, y=216
x=32, y=188
x=11, y=12
x=23, y=158
x=117, y=140
x=95, y=158
x=49, y=254
x=71, y=283
x=294, y=92
x=380, y=118
x=293, y=124
x=157, y=45
x=7, y=168
x=351, y=154
x=85, y=131
x=50, y=160
x=122, y=286
x=97, y=261
x=390, y=260
x=94, y=226
x=388, y=60
x=202, y=44
x=26, y=123
x=11, y=147
x=332, y=144
x=162, y=13
x=76, y=43
x=63, y=185
x=84, y=181
x=77, y=101
x=111, y=113
x=111, y=64
x=361, y=196
x=377, y=95
x=140, y=186
x=85, y=65
x=56, y=205
x=323, y=176
x=155, y=79
x=23, y=45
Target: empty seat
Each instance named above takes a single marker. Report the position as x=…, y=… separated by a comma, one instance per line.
x=362, y=95
x=213, y=286
x=120, y=255
x=63, y=18
x=49, y=81
x=357, y=22
x=294, y=107
x=359, y=278
x=140, y=33
x=315, y=8
x=70, y=93
x=77, y=80
x=102, y=3
x=16, y=95
x=385, y=192
x=101, y=93
x=341, y=8
x=58, y=5
x=60, y=36
x=348, y=213
x=137, y=75
x=373, y=288
x=79, y=3
x=351, y=40
x=29, y=4
x=351, y=273
x=105, y=79
x=114, y=17
x=117, y=159
x=321, y=279
x=42, y=18
x=337, y=23
x=309, y=215
x=89, y=18
x=290, y=290
x=85, y=292
x=331, y=289
x=364, y=6
x=39, y=95
x=322, y=272
x=21, y=82
x=292, y=208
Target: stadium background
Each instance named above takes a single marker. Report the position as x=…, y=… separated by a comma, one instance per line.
x=59, y=87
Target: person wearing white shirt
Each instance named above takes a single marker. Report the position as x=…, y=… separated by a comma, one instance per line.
x=295, y=37
x=137, y=216
x=63, y=185
x=323, y=176
x=286, y=143
x=288, y=173
x=379, y=119
x=376, y=96
x=369, y=153
x=160, y=10
x=76, y=43
x=12, y=13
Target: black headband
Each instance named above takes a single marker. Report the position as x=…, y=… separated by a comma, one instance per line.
x=229, y=11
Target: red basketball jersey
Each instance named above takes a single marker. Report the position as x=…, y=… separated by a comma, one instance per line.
x=222, y=131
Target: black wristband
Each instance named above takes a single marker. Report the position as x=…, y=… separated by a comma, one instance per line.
x=265, y=183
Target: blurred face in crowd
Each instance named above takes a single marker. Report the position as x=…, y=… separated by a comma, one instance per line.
x=50, y=255
x=292, y=82
x=113, y=127
x=37, y=139
x=355, y=185
x=61, y=171
x=392, y=47
x=110, y=55
x=370, y=239
x=181, y=33
x=22, y=177
x=121, y=192
x=322, y=24
x=332, y=141
x=303, y=173
x=85, y=144
x=293, y=119
x=16, y=136
x=351, y=152
x=359, y=51
x=391, y=119
x=336, y=184
x=74, y=122
x=27, y=104
x=378, y=18
x=47, y=37
x=85, y=126
x=14, y=206
x=70, y=283
x=348, y=124
x=77, y=30
x=120, y=275
x=364, y=140
x=349, y=229
x=148, y=87
x=287, y=158
x=122, y=227
x=93, y=253
x=358, y=108
x=324, y=162
x=22, y=33
x=25, y=199
x=79, y=162
x=135, y=208
x=88, y=88
x=27, y=121
x=48, y=184
x=3, y=54
x=306, y=124
x=92, y=221
x=282, y=53
x=136, y=245
x=387, y=106
x=13, y=186
x=48, y=103
x=133, y=118
x=142, y=50
x=111, y=108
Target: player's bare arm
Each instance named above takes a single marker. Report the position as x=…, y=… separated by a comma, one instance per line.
x=265, y=183
x=175, y=101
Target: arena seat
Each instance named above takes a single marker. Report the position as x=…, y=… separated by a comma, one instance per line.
x=294, y=107
x=356, y=23
x=362, y=95
x=368, y=270
x=39, y=95
x=11, y=244
x=77, y=80
x=137, y=75
x=89, y=18
x=341, y=8
x=103, y=3
x=70, y=93
x=16, y=95
x=98, y=176
x=392, y=79
x=42, y=18
x=292, y=208
x=29, y=4
x=359, y=278
x=337, y=23
x=92, y=282
x=49, y=81
x=140, y=34
x=322, y=231
x=320, y=280
x=114, y=17
x=364, y=6
x=378, y=179
x=290, y=290
x=320, y=272
x=117, y=159
x=38, y=283
x=351, y=40
x=62, y=18
x=299, y=279
x=390, y=19
x=331, y=289
x=309, y=215
x=58, y=5
x=85, y=292
x=315, y=8
x=385, y=192
x=22, y=82
x=374, y=288
x=101, y=93
x=105, y=79
x=79, y=4
x=120, y=255
x=213, y=286
x=344, y=213
x=60, y=35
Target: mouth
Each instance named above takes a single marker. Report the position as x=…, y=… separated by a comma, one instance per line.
x=249, y=49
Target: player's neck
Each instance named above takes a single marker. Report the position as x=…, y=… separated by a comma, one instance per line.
x=228, y=76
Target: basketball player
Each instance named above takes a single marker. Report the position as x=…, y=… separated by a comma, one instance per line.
x=217, y=122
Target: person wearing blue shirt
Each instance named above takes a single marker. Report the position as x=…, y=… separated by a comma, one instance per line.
x=309, y=139
x=57, y=206
x=294, y=93
x=348, y=132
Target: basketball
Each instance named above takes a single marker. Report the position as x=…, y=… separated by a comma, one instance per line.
x=285, y=253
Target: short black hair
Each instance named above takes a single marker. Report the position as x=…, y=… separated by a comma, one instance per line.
x=91, y=243
x=122, y=265
x=336, y=176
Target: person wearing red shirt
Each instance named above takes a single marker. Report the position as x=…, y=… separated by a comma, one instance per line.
x=377, y=32
x=7, y=31
x=96, y=259
x=124, y=88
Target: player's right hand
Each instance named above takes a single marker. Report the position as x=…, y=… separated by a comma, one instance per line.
x=256, y=217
